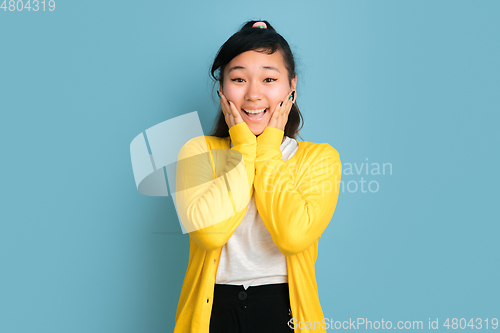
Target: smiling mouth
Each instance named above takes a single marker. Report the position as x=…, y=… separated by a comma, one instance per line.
x=255, y=114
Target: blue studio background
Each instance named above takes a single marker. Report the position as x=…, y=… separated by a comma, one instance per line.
x=412, y=84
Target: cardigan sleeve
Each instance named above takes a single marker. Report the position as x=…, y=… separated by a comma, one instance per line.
x=214, y=186
x=295, y=204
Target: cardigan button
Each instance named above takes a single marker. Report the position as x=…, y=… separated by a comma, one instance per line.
x=242, y=295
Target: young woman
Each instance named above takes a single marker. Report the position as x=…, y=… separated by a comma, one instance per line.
x=253, y=199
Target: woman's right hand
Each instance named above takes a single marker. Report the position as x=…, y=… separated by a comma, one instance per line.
x=231, y=114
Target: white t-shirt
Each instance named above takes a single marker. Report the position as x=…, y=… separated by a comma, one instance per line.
x=250, y=257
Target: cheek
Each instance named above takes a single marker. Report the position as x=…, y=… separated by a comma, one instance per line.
x=278, y=94
x=232, y=93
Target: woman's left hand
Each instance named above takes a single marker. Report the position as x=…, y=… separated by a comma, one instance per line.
x=280, y=114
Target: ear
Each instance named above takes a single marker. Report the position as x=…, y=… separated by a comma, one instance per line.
x=294, y=83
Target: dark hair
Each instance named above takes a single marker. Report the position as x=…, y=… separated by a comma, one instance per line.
x=261, y=40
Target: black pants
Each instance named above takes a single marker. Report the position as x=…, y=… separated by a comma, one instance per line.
x=260, y=309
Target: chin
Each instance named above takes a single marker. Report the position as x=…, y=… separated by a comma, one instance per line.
x=257, y=132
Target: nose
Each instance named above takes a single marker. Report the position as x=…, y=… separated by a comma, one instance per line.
x=254, y=92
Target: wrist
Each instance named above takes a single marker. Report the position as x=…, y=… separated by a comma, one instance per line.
x=241, y=134
x=271, y=136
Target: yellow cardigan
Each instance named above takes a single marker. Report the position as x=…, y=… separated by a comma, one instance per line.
x=295, y=198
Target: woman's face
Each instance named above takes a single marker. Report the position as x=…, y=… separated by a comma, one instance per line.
x=254, y=81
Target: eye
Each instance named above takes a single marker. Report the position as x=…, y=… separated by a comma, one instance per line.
x=269, y=78
x=236, y=80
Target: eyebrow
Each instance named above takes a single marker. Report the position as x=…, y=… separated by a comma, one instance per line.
x=271, y=68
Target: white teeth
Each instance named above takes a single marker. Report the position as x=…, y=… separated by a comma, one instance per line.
x=255, y=111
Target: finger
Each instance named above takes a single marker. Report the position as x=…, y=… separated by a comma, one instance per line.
x=279, y=107
x=287, y=99
x=222, y=107
x=294, y=98
x=232, y=109
x=236, y=114
x=227, y=114
x=283, y=106
x=285, y=110
x=290, y=101
x=224, y=103
x=277, y=111
x=231, y=114
x=291, y=98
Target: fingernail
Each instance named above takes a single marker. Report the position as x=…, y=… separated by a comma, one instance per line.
x=218, y=93
x=281, y=103
x=293, y=95
x=229, y=103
